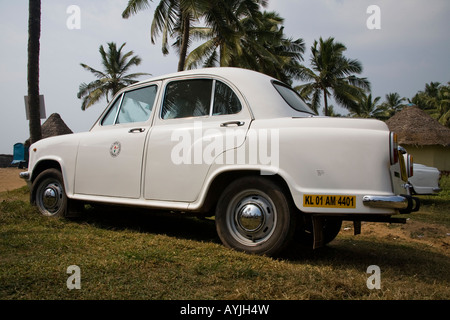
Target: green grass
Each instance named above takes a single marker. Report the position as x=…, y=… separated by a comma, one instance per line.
x=127, y=254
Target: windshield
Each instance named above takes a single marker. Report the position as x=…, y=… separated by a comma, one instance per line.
x=292, y=98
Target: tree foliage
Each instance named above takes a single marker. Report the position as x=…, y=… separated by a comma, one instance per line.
x=331, y=75
x=113, y=77
x=435, y=99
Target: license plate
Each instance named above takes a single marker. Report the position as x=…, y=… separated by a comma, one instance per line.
x=329, y=201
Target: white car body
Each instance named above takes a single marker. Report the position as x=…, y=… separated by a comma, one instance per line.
x=425, y=179
x=328, y=167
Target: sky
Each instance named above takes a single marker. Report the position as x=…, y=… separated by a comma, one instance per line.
x=409, y=47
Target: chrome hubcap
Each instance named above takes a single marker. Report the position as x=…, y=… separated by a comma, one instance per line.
x=251, y=217
x=51, y=198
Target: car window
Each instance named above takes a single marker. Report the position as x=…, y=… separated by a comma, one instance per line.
x=292, y=98
x=187, y=98
x=137, y=105
x=225, y=100
x=111, y=115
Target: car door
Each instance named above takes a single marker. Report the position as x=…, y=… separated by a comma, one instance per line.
x=109, y=161
x=199, y=120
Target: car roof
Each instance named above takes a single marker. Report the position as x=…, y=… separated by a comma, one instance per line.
x=255, y=87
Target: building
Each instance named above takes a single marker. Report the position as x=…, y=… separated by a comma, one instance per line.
x=423, y=137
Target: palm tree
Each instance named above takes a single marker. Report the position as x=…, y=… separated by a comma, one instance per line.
x=224, y=31
x=393, y=103
x=112, y=79
x=172, y=18
x=267, y=49
x=435, y=100
x=332, y=74
x=332, y=113
x=252, y=40
x=34, y=33
x=367, y=107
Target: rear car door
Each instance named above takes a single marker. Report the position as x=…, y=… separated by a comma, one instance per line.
x=199, y=120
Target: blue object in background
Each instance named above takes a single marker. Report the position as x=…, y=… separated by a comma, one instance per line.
x=20, y=155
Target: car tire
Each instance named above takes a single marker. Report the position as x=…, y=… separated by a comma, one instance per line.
x=49, y=193
x=254, y=215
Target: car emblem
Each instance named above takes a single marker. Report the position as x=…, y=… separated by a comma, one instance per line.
x=114, y=150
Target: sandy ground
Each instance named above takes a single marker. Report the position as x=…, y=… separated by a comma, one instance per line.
x=10, y=180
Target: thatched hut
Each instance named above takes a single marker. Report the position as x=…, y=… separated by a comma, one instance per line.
x=53, y=126
x=422, y=136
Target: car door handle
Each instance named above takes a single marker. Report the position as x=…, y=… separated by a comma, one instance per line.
x=232, y=123
x=135, y=130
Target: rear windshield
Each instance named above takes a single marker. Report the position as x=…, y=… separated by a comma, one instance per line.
x=292, y=98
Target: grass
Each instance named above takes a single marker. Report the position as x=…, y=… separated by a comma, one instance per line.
x=127, y=254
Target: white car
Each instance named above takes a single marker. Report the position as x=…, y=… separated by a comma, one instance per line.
x=231, y=143
x=425, y=179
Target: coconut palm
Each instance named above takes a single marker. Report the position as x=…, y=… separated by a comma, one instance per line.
x=112, y=79
x=367, y=107
x=34, y=33
x=393, y=103
x=172, y=18
x=256, y=42
x=226, y=26
x=332, y=74
x=435, y=100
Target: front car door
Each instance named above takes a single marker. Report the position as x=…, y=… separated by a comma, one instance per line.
x=109, y=161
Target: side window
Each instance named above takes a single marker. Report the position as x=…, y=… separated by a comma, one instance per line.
x=187, y=98
x=225, y=100
x=111, y=115
x=137, y=105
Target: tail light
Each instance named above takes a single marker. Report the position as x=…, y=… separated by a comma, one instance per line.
x=393, y=146
x=410, y=165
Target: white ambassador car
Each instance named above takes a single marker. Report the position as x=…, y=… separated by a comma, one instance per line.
x=229, y=143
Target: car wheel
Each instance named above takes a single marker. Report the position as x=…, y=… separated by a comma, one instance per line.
x=253, y=215
x=50, y=195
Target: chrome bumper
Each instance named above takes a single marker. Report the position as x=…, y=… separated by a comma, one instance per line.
x=403, y=203
x=25, y=175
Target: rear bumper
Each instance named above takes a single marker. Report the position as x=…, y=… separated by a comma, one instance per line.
x=403, y=203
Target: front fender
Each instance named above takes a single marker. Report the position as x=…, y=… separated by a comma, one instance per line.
x=55, y=152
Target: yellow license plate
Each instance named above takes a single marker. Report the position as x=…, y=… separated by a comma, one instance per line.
x=329, y=201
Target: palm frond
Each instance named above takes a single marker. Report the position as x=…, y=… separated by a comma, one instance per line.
x=135, y=6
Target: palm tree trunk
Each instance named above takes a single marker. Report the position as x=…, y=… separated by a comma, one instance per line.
x=34, y=33
x=184, y=41
x=325, y=100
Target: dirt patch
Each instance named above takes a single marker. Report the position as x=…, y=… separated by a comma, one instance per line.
x=433, y=235
x=10, y=180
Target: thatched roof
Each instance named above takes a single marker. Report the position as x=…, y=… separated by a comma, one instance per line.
x=53, y=126
x=415, y=127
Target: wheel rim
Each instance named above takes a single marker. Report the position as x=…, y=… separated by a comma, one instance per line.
x=251, y=217
x=50, y=198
